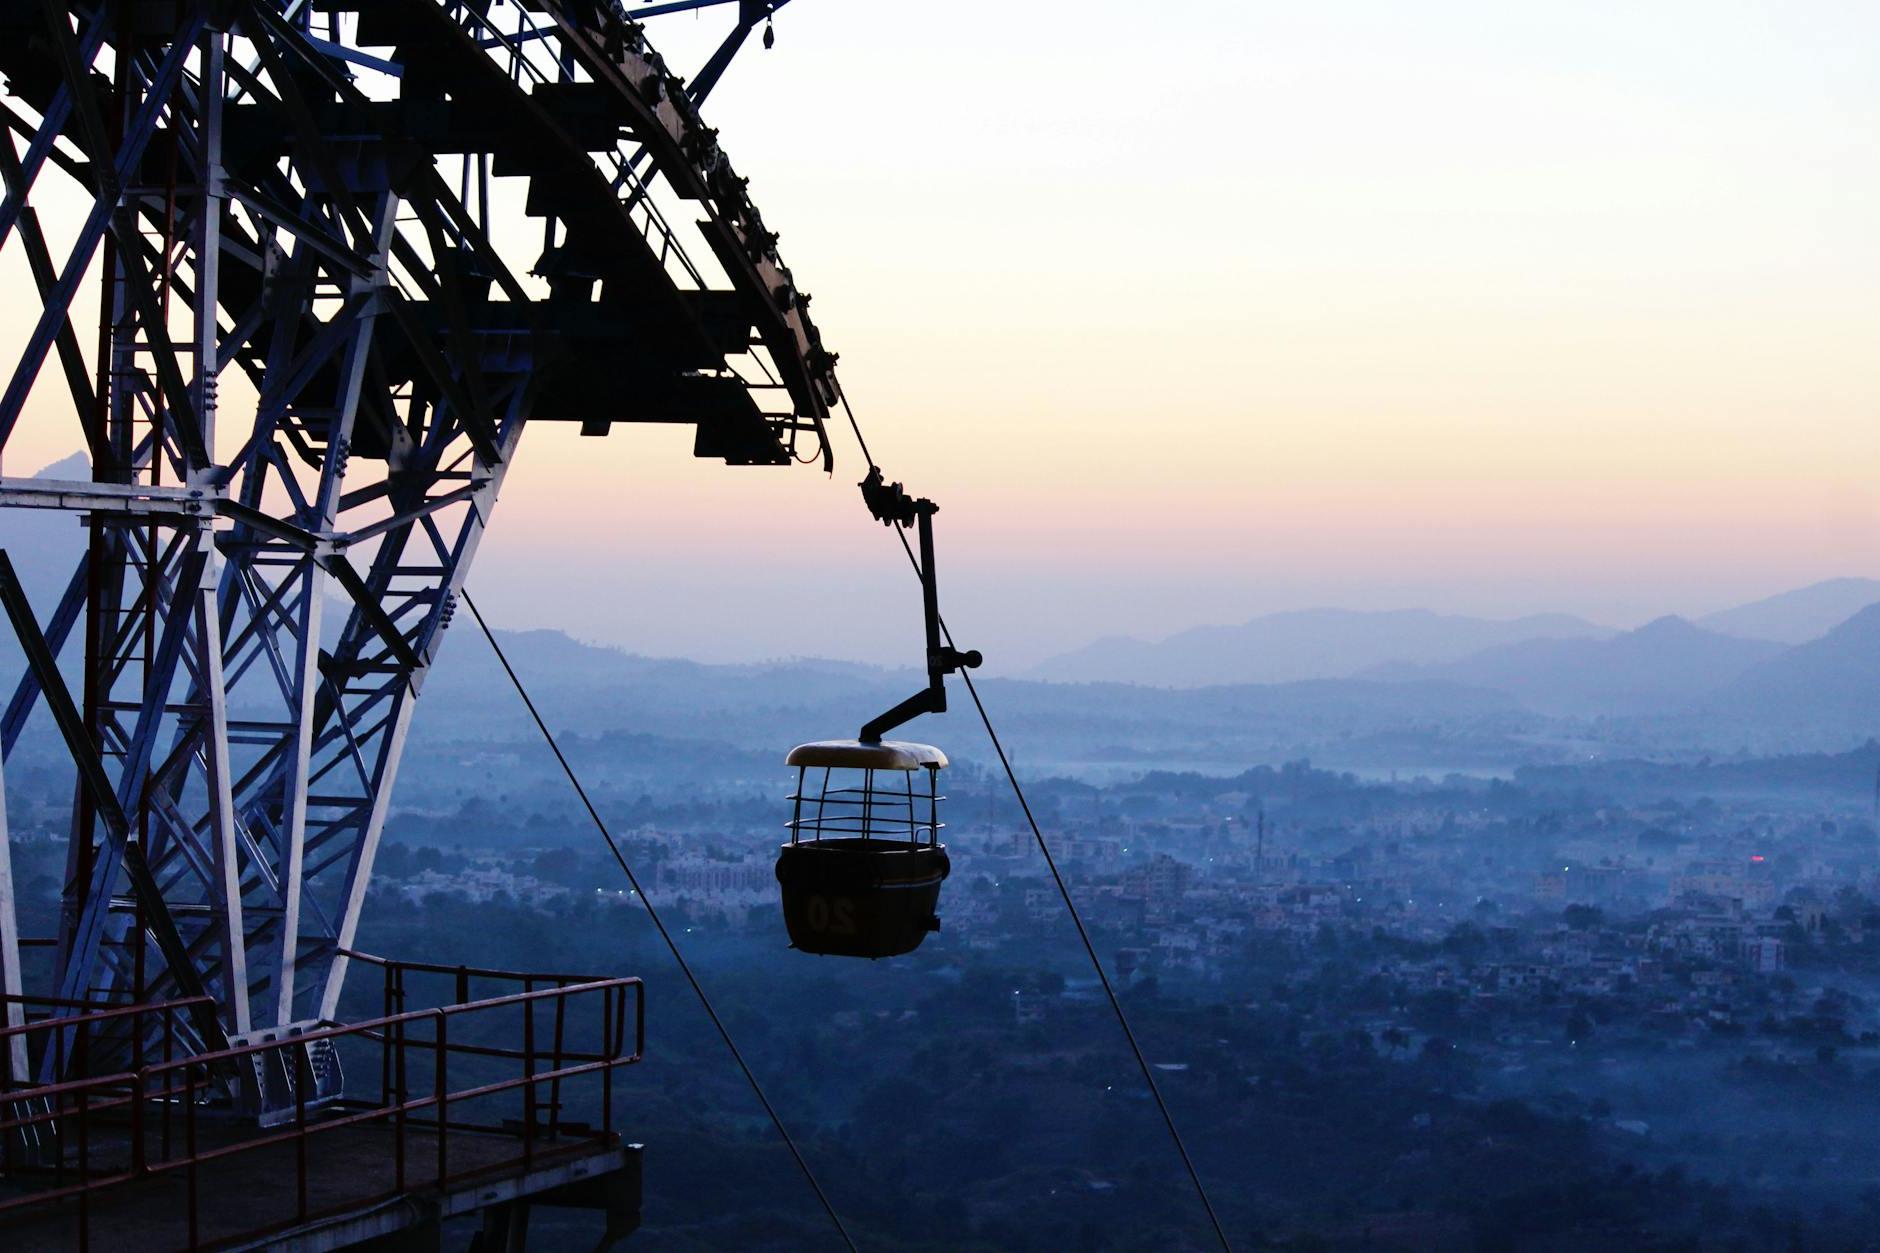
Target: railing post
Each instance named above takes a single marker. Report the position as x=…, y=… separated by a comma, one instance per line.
x=528, y=1074
x=137, y=1122
x=385, y=1050
x=398, y=1108
x=608, y=1052
x=84, y=1170
x=442, y=1066
x=401, y=1069
x=554, y=1085
x=169, y=1076
x=189, y=1146
x=300, y=1129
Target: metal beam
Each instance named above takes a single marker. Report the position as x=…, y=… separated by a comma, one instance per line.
x=395, y=361
x=14, y=1067
x=97, y=785
x=109, y=174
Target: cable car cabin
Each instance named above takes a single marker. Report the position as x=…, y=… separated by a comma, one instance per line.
x=862, y=871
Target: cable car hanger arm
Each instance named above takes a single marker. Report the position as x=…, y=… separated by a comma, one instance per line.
x=892, y=506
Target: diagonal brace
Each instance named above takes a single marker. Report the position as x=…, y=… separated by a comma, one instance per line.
x=97, y=785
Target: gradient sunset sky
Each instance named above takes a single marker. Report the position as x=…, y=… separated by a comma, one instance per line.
x=1190, y=311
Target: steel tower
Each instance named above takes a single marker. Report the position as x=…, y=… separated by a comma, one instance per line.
x=345, y=252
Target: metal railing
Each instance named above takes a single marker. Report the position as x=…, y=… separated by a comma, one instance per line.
x=869, y=812
x=70, y=1142
x=68, y=1029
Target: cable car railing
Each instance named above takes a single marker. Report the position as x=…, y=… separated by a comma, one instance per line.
x=870, y=811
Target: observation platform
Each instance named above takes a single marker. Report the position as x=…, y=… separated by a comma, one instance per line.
x=371, y=1135
x=241, y=1202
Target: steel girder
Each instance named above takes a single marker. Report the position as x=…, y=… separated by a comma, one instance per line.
x=305, y=198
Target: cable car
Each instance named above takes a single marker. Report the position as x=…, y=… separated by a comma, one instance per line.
x=861, y=874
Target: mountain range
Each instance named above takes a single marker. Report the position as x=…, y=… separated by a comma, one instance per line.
x=1554, y=659
x=1663, y=665
x=586, y=690
x=1801, y=669
x=1795, y=617
x=1831, y=684
x=1303, y=644
x=1668, y=685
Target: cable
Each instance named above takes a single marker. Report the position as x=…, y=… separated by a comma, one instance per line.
x=855, y=426
x=672, y=945
x=1037, y=834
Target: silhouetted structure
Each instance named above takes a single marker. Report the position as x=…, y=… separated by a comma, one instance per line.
x=325, y=321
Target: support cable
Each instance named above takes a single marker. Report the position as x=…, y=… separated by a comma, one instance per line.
x=672, y=945
x=1077, y=920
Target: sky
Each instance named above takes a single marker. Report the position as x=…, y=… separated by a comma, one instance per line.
x=1191, y=311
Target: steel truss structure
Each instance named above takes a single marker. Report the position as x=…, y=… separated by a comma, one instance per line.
x=345, y=251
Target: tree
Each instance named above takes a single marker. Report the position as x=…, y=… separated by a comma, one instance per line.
x=1582, y=917
x=1466, y=940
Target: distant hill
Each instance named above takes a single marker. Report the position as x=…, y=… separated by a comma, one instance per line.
x=1303, y=644
x=1829, y=685
x=44, y=544
x=589, y=691
x=1807, y=613
x=1844, y=776
x=1661, y=666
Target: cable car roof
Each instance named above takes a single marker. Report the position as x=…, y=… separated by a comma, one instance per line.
x=856, y=755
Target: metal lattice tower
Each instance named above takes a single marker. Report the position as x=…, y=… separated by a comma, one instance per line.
x=345, y=252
